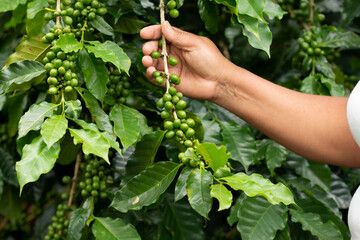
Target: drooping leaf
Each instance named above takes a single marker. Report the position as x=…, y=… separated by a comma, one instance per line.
x=30, y=48
x=77, y=221
x=340, y=191
x=53, y=129
x=20, y=74
x=68, y=43
x=93, y=142
x=73, y=109
x=309, y=85
x=113, y=229
x=335, y=89
x=198, y=191
x=7, y=167
x=34, y=117
x=145, y=188
x=180, y=186
x=110, y=52
x=240, y=142
x=209, y=14
x=322, y=65
x=177, y=220
x=233, y=218
x=260, y=220
x=129, y=124
x=215, y=157
x=95, y=76
x=255, y=184
x=223, y=195
x=102, y=26
x=332, y=37
x=313, y=223
x=144, y=155
x=9, y=5
x=36, y=159
x=34, y=7
x=100, y=117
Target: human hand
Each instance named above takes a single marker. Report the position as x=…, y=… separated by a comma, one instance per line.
x=200, y=64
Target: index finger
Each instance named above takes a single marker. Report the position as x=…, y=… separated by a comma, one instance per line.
x=151, y=32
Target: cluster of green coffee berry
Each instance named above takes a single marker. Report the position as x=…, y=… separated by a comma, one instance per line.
x=78, y=13
x=311, y=46
x=60, y=222
x=96, y=177
x=118, y=87
x=60, y=67
x=299, y=10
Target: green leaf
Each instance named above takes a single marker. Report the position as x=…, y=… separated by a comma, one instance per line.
x=20, y=74
x=198, y=191
x=101, y=118
x=255, y=184
x=317, y=173
x=273, y=10
x=68, y=43
x=35, y=25
x=323, y=66
x=335, y=89
x=93, y=142
x=251, y=8
x=113, y=229
x=351, y=10
x=275, y=155
x=176, y=217
x=332, y=37
x=144, y=153
x=129, y=124
x=112, y=141
x=35, y=7
x=310, y=85
x=258, y=33
x=36, y=159
x=240, y=142
x=313, y=223
x=34, y=117
x=130, y=24
x=102, y=26
x=77, y=221
x=180, y=186
x=223, y=195
x=215, y=157
x=95, y=74
x=260, y=220
x=233, y=218
x=110, y=52
x=30, y=48
x=9, y=5
x=145, y=188
x=16, y=105
x=209, y=14
x=7, y=167
x=73, y=109
x=53, y=129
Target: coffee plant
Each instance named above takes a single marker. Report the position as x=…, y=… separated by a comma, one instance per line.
x=90, y=149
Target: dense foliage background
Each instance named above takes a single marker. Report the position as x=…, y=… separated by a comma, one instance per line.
x=61, y=138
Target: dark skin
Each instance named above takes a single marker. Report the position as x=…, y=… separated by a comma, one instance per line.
x=313, y=126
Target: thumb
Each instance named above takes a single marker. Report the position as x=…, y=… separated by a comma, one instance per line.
x=177, y=37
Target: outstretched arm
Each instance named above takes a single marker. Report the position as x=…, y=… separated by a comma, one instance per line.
x=312, y=126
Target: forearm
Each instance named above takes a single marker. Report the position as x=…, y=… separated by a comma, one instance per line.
x=312, y=126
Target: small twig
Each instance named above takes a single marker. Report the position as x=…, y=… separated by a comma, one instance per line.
x=311, y=6
x=58, y=9
x=74, y=180
x=165, y=53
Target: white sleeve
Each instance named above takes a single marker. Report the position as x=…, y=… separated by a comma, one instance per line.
x=353, y=113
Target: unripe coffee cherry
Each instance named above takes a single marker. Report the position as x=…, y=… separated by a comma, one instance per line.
x=174, y=13
x=155, y=54
x=172, y=61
